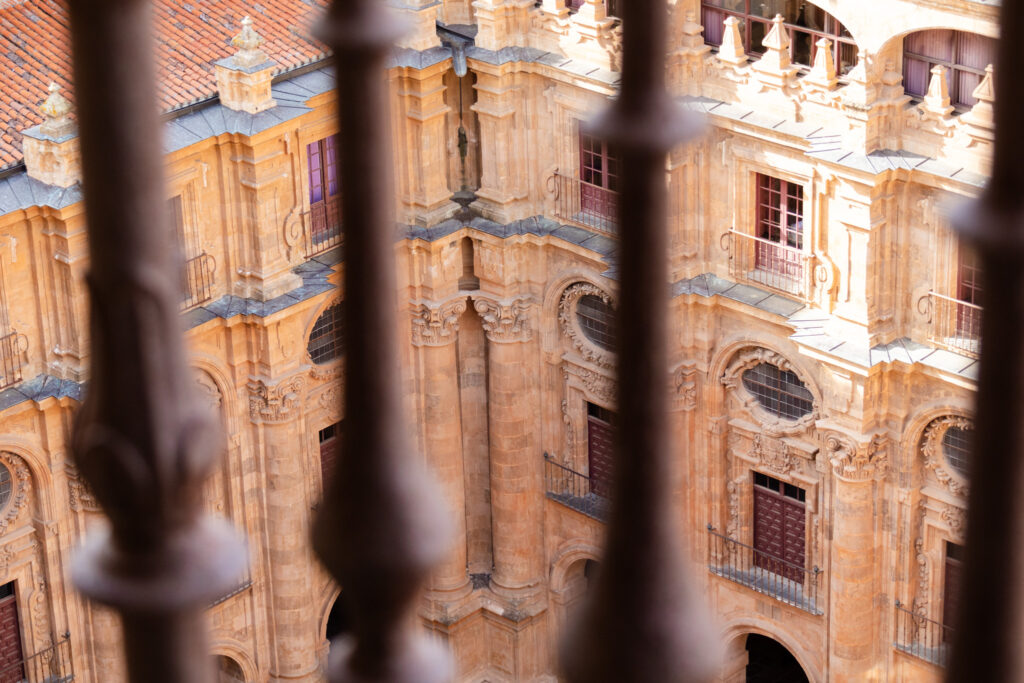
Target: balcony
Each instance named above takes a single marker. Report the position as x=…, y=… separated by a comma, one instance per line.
x=10, y=360
x=769, y=264
x=321, y=226
x=198, y=285
x=52, y=665
x=583, y=204
x=764, y=573
x=921, y=637
x=244, y=582
x=574, y=490
x=955, y=324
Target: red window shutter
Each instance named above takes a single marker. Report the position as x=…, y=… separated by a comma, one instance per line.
x=10, y=642
x=599, y=453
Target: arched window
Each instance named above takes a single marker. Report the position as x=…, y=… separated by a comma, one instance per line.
x=779, y=391
x=596, y=319
x=965, y=56
x=956, y=447
x=6, y=486
x=806, y=24
x=325, y=341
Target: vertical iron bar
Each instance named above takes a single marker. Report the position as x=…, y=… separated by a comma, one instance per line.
x=642, y=623
x=382, y=558
x=990, y=623
x=140, y=441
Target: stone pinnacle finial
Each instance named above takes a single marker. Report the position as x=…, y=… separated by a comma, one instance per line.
x=248, y=43
x=56, y=111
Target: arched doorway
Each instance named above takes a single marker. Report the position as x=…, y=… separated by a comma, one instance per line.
x=770, y=662
x=338, y=621
x=228, y=670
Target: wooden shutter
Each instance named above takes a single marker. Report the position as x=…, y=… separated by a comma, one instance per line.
x=599, y=452
x=10, y=639
x=330, y=443
x=951, y=590
x=779, y=531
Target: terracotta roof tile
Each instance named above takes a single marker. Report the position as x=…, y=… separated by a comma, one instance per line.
x=191, y=36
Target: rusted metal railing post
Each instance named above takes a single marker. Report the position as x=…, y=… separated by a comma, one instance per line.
x=141, y=441
x=379, y=531
x=990, y=625
x=642, y=623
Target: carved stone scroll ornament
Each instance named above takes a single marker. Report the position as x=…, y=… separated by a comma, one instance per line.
x=21, y=483
x=851, y=460
x=330, y=401
x=732, y=379
x=773, y=454
x=598, y=385
x=732, y=525
x=277, y=403
x=935, y=461
x=80, y=497
x=920, y=603
x=955, y=518
x=6, y=557
x=436, y=325
x=570, y=435
x=505, y=322
x=684, y=385
x=571, y=327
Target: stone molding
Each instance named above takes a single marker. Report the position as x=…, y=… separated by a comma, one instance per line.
x=21, y=484
x=774, y=455
x=571, y=327
x=935, y=460
x=436, y=324
x=274, y=404
x=773, y=425
x=80, y=496
x=600, y=386
x=684, y=388
x=505, y=322
x=853, y=461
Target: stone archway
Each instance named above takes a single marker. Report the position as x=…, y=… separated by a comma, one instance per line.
x=768, y=661
x=338, y=622
x=228, y=670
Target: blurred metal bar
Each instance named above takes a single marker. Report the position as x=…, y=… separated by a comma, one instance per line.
x=380, y=559
x=642, y=623
x=141, y=441
x=990, y=626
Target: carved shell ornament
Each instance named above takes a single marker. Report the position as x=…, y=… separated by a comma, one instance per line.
x=775, y=422
x=569, y=318
x=944, y=448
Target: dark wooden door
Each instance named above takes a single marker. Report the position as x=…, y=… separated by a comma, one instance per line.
x=779, y=530
x=10, y=638
x=330, y=443
x=951, y=590
x=599, y=449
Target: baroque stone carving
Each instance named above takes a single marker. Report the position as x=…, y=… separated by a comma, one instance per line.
x=436, y=326
x=921, y=557
x=6, y=557
x=570, y=325
x=21, y=482
x=80, y=497
x=732, y=379
x=277, y=403
x=600, y=386
x=955, y=518
x=570, y=435
x=684, y=384
x=850, y=460
x=773, y=454
x=733, y=488
x=40, y=617
x=931, y=451
x=505, y=322
x=330, y=400
x=208, y=389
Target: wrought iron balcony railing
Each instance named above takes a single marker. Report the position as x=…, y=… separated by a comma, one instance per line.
x=10, y=359
x=244, y=582
x=52, y=665
x=769, y=264
x=785, y=581
x=574, y=490
x=921, y=637
x=955, y=324
x=321, y=226
x=584, y=204
x=199, y=278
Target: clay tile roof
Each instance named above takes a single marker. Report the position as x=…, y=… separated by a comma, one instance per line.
x=35, y=49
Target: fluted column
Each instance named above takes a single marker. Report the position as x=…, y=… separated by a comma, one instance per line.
x=851, y=585
x=434, y=332
x=275, y=407
x=516, y=498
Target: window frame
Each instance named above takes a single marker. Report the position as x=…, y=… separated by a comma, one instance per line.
x=781, y=393
x=959, y=100
x=336, y=347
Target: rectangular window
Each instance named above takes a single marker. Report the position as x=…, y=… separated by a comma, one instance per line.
x=968, y=291
x=330, y=443
x=599, y=176
x=779, y=527
x=324, y=189
x=951, y=588
x=780, y=232
x=599, y=448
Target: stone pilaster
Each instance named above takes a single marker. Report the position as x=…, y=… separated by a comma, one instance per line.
x=426, y=196
x=516, y=498
x=501, y=22
x=274, y=408
x=852, y=589
x=434, y=330
x=503, y=193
